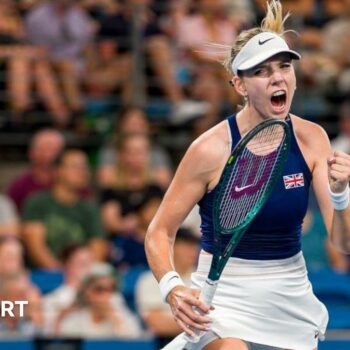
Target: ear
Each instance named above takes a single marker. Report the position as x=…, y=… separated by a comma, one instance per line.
x=239, y=85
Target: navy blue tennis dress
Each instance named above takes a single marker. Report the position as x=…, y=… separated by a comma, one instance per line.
x=275, y=233
x=264, y=295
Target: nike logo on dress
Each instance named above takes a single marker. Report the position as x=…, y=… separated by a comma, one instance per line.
x=239, y=189
x=262, y=42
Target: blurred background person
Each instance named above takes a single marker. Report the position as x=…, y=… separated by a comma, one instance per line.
x=160, y=69
x=11, y=256
x=25, y=64
x=132, y=182
x=99, y=309
x=129, y=252
x=342, y=141
x=155, y=313
x=9, y=219
x=107, y=72
x=77, y=262
x=133, y=120
x=59, y=217
x=17, y=287
x=44, y=147
x=63, y=29
x=194, y=34
x=319, y=252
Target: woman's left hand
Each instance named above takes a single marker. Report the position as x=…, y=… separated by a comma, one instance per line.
x=338, y=171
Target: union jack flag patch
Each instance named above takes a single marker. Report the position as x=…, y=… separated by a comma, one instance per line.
x=293, y=181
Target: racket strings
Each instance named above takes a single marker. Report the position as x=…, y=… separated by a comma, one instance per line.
x=268, y=138
x=250, y=176
x=245, y=202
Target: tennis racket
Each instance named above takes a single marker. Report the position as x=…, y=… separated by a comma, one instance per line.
x=247, y=181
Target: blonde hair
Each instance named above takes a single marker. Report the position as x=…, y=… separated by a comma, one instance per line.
x=273, y=22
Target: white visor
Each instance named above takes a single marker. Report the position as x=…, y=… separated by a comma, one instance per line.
x=258, y=49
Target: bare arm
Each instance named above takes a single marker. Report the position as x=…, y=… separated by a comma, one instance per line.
x=114, y=222
x=196, y=172
x=34, y=238
x=191, y=181
x=99, y=248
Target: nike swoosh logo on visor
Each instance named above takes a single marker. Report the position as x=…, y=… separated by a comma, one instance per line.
x=262, y=42
x=239, y=189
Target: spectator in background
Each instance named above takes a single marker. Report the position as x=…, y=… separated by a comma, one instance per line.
x=99, y=309
x=336, y=45
x=132, y=183
x=194, y=33
x=342, y=141
x=43, y=149
x=155, y=313
x=11, y=256
x=18, y=287
x=63, y=29
x=130, y=251
x=59, y=217
x=77, y=263
x=240, y=12
x=25, y=63
x=9, y=222
x=117, y=26
x=107, y=72
x=318, y=251
x=133, y=120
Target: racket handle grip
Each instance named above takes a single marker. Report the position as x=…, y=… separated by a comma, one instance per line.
x=207, y=295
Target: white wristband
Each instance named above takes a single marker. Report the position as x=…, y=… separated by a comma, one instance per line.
x=340, y=201
x=169, y=281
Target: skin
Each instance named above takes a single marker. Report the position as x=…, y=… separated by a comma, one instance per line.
x=203, y=163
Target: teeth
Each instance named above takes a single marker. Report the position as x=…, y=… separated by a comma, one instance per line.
x=278, y=93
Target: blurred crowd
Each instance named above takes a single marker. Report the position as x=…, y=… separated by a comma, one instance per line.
x=62, y=60
x=73, y=58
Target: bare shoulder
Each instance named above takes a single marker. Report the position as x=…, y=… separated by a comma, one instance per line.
x=211, y=147
x=310, y=135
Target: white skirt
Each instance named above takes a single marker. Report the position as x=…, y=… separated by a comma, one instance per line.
x=266, y=302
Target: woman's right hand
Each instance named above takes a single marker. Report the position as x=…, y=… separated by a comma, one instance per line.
x=183, y=302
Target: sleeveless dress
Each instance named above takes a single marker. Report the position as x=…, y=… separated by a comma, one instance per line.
x=264, y=295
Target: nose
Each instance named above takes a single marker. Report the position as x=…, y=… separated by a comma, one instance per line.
x=276, y=77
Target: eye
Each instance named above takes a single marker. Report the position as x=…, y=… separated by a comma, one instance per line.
x=286, y=65
x=259, y=71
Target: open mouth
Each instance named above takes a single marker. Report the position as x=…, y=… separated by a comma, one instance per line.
x=278, y=99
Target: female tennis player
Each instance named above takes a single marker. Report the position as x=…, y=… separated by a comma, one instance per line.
x=264, y=300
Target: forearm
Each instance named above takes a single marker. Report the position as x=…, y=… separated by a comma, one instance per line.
x=33, y=234
x=159, y=251
x=44, y=259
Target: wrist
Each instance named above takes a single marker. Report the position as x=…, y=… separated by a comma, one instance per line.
x=169, y=281
x=340, y=200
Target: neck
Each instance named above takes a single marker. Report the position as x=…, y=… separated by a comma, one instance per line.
x=42, y=174
x=248, y=118
x=65, y=195
x=132, y=179
x=97, y=315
